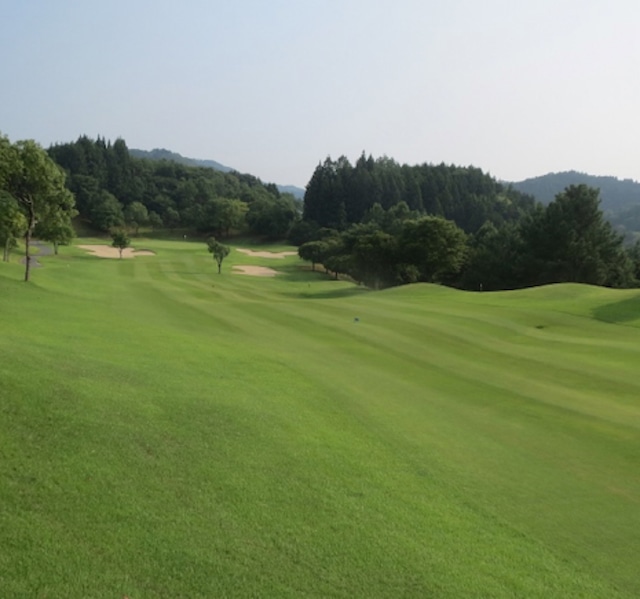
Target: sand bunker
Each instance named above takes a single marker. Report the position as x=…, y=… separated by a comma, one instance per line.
x=106, y=251
x=254, y=271
x=278, y=255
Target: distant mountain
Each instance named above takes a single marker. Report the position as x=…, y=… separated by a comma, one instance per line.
x=620, y=198
x=162, y=154
x=297, y=192
x=616, y=194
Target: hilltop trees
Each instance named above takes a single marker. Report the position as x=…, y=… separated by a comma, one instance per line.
x=114, y=188
x=37, y=186
x=571, y=241
x=340, y=194
x=567, y=241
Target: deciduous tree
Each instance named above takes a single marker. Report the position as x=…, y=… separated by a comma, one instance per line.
x=136, y=215
x=38, y=186
x=13, y=224
x=218, y=250
x=120, y=240
x=56, y=227
x=434, y=245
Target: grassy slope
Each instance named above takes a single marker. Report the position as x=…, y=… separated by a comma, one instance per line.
x=167, y=432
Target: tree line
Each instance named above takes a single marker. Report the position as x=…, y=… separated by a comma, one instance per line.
x=384, y=224
x=340, y=194
x=114, y=189
x=377, y=221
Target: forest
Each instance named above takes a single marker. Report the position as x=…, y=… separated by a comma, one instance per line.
x=377, y=222
x=115, y=189
x=386, y=224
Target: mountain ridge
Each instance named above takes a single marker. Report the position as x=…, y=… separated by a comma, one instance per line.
x=619, y=198
x=164, y=154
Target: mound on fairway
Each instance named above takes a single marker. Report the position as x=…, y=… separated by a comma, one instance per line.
x=265, y=254
x=107, y=251
x=254, y=271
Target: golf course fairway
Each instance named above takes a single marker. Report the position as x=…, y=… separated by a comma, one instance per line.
x=168, y=432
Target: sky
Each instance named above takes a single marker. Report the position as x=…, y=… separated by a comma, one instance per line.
x=518, y=88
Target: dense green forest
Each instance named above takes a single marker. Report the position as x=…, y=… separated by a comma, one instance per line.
x=386, y=224
x=340, y=194
x=115, y=189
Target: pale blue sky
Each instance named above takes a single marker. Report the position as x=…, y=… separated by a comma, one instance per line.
x=272, y=87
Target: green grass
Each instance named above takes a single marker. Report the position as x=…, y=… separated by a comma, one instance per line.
x=168, y=432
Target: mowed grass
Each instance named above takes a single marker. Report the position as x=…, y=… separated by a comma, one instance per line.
x=168, y=432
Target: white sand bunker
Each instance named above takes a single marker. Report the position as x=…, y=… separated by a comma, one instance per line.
x=106, y=251
x=254, y=271
x=278, y=255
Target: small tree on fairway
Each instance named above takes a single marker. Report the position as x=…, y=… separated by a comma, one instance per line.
x=120, y=241
x=219, y=251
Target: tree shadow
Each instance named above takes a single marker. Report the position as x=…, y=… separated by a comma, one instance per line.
x=625, y=310
x=343, y=292
x=337, y=293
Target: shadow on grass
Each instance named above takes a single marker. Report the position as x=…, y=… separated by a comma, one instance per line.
x=333, y=293
x=625, y=310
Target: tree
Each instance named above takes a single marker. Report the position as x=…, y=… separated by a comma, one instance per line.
x=434, y=245
x=570, y=241
x=229, y=214
x=313, y=251
x=105, y=211
x=56, y=228
x=272, y=218
x=155, y=220
x=495, y=257
x=634, y=256
x=13, y=224
x=120, y=241
x=136, y=215
x=171, y=217
x=374, y=258
x=38, y=186
x=219, y=251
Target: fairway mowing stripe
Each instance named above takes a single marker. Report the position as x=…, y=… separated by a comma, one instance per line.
x=249, y=433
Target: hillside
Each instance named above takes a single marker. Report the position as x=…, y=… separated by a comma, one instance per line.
x=620, y=198
x=169, y=432
x=162, y=154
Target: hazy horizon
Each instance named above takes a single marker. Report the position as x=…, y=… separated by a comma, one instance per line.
x=272, y=89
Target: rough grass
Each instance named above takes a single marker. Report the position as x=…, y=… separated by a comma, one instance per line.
x=168, y=432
